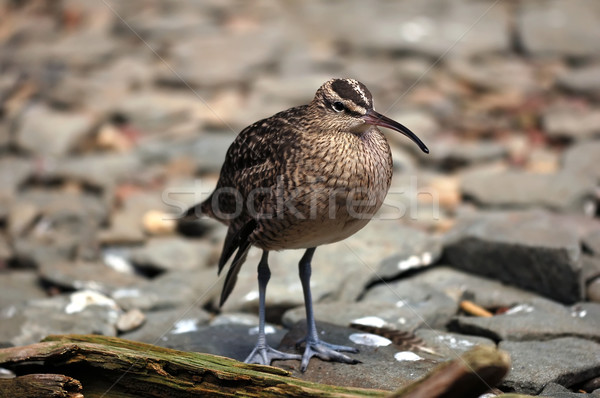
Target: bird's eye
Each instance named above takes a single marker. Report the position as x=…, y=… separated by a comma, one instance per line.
x=338, y=106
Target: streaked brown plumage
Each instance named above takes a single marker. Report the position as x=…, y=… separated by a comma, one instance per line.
x=287, y=181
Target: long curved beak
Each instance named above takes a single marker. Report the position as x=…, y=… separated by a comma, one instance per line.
x=377, y=119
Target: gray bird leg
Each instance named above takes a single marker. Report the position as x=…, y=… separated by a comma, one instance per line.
x=314, y=346
x=264, y=354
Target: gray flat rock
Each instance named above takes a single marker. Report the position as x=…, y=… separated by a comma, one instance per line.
x=538, y=319
x=566, y=361
x=160, y=324
x=562, y=37
x=171, y=289
x=18, y=286
x=417, y=303
x=381, y=367
x=584, y=79
x=171, y=254
x=524, y=249
x=459, y=285
x=571, y=122
x=563, y=191
x=580, y=159
x=81, y=312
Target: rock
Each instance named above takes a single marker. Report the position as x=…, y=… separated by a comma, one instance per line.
x=158, y=223
x=206, y=152
x=171, y=289
x=13, y=173
x=80, y=312
x=563, y=191
x=590, y=266
x=495, y=73
x=582, y=80
x=592, y=242
x=452, y=153
x=103, y=171
x=554, y=28
x=21, y=218
x=566, y=360
x=416, y=303
x=238, y=56
x=239, y=318
x=418, y=249
x=593, y=291
x=428, y=28
x=579, y=159
x=523, y=249
x=571, y=123
x=460, y=285
x=538, y=319
x=47, y=132
x=167, y=254
x=18, y=286
x=399, y=367
x=402, y=316
x=130, y=320
x=554, y=390
x=233, y=341
x=92, y=276
x=158, y=324
x=450, y=345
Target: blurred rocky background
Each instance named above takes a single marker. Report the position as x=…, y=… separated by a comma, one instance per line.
x=114, y=116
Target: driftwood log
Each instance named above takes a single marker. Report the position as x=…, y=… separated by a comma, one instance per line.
x=98, y=366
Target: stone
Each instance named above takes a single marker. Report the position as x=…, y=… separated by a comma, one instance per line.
x=494, y=73
x=21, y=218
x=238, y=55
x=563, y=191
x=428, y=27
x=553, y=28
x=47, y=132
x=417, y=250
x=158, y=324
x=104, y=170
x=130, y=320
x=554, y=390
x=19, y=286
x=450, y=345
x=459, y=285
x=592, y=242
x=13, y=173
x=417, y=304
x=167, y=254
x=566, y=361
x=593, y=291
x=538, y=319
x=171, y=289
x=400, y=315
x=381, y=366
x=234, y=340
x=582, y=80
x=206, y=152
x=580, y=159
x=82, y=275
x=81, y=312
x=452, y=153
x=590, y=267
x=571, y=122
x=522, y=249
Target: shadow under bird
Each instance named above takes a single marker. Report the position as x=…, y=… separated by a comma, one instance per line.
x=308, y=176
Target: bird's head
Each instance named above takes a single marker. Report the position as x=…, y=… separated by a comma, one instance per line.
x=347, y=105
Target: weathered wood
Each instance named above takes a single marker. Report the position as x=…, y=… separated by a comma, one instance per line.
x=474, y=373
x=41, y=386
x=113, y=367
x=122, y=368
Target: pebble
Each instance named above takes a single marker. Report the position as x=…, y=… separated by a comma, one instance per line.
x=130, y=320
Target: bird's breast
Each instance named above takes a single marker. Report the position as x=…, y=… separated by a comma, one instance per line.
x=329, y=192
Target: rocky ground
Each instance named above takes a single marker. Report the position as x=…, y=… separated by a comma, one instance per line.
x=116, y=115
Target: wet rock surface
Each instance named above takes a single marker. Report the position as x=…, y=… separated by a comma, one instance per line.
x=113, y=120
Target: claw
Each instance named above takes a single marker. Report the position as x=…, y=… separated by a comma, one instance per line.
x=265, y=355
x=326, y=352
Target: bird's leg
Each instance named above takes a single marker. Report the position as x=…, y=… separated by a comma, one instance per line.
x=263, y=354
x=314, y=346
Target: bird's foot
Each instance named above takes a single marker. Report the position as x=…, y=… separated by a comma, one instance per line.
x=325, y=351
x=264, y=355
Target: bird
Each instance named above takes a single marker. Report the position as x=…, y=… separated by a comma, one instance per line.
x=307, y=176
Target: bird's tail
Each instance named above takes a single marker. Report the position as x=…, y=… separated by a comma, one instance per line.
x=236, y=240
